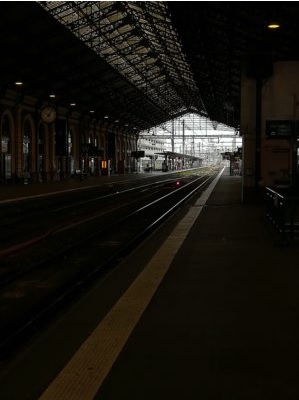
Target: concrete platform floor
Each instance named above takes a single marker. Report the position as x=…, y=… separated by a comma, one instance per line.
x=223, y=324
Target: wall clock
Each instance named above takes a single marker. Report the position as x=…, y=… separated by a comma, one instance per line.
x=48, y=114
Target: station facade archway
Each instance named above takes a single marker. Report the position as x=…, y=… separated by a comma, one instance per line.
x=31, y=149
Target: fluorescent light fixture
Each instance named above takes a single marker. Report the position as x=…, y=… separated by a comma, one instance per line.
x=273, y=25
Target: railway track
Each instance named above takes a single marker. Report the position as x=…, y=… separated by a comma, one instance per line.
x=37, y=285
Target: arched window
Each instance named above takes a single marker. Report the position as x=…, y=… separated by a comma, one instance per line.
x=41, y=148
x=91, y=160
x=70, y=152
x=70, y=142
x=6, y=135
x=27, y=146
x=83, y=152
x=6, y=149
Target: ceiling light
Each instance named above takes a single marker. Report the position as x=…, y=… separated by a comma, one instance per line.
x=273, y=25
x=52, y=96
x=91, y=111
x=106, y=117
x=72, y=104
x=18, y=83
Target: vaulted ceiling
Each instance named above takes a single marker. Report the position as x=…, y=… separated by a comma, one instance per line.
x=142, y=63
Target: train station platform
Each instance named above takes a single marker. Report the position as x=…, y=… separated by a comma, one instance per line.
x=211, y=312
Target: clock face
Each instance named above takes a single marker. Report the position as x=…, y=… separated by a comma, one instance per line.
x=48, y=114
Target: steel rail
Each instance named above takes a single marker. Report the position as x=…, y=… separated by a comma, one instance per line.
x=19, y=246
x=62, y=295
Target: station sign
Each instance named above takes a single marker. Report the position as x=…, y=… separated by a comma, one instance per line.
x=281, y=129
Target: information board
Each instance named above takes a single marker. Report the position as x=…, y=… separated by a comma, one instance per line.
x=280, y=128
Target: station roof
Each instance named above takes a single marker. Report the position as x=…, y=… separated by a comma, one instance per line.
x=223, y=39
x=142, y=63
x=171, y=154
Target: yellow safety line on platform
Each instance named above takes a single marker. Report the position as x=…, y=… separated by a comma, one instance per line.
x=84, y=374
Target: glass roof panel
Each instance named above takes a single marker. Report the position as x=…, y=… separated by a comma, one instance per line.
x=138, y=40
